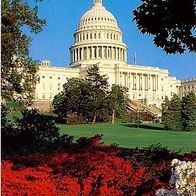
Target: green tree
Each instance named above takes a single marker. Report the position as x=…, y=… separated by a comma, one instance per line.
x=74, y=98
x=171, y=22
x=99, y=89
x=166, y=113
x=117, y=100
x=189, y=112
x=172, y=117
x=60, y=105
x=18, y=71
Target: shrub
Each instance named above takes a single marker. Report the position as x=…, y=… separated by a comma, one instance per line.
x=180, y=114
x=33, y=132
x=74, y=119
x=87, y=168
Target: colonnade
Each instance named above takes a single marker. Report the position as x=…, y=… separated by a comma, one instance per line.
x=139, y=81
x=97, y=36
x=98, y=52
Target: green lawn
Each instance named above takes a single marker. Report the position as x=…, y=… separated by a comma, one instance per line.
x=127, y=136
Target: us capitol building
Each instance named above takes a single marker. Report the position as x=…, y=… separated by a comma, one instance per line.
x=99, y=40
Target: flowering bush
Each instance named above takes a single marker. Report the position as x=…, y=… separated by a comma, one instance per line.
x=183, y=179
x=86, y=168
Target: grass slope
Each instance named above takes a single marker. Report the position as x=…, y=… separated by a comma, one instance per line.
x=127, y=136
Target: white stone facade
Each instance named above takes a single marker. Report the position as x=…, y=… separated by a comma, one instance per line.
x=188, y=86
x=98, y=40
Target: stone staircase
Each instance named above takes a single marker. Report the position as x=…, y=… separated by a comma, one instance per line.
x=137, y=106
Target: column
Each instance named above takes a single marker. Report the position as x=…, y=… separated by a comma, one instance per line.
x=95, y=52
x=102, y=52
x=110, y=52
x=129, y=81
x=116, y=53
x=146, y=82
x=73, y=55
x=92, y=52
x=82, y=53
x=138, y=81
x=149, y=81
x=133, y=82
x=155, y=82
x=76, y=55
x=143, y=82
x=87, y=53
x=125, y=55
x=107, y=49
x=112, y=49
x=153, y=79
x=98, y=52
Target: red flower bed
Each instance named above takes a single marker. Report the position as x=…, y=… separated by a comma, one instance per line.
x=88, y=168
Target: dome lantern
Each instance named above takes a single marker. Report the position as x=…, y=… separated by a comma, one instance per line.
x=97, y=3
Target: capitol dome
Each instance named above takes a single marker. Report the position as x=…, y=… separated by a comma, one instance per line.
x=98, y=15
x=98, y=38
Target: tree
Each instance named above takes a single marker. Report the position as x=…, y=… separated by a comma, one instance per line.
x=117, y=100
x=171, y=22
x=172, y=115
x=18, y=71
x=166, y=113
x=189, y=112
x=99, y=88
x=73, y=99
x=60, y=105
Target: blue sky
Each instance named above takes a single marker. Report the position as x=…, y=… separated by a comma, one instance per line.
x=62, y=20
